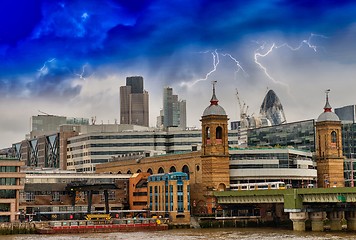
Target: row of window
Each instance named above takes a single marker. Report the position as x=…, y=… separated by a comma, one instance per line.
x=30, y=196
x=7, y=181
x=133, y=144
x=8, y=169
x=139, y=136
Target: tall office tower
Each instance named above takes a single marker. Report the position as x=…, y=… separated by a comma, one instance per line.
x=174, y=110
x=134, y=102
x=272, y=109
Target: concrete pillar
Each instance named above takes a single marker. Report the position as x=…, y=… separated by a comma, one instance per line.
x=317, y=221
x=335, y=220
x=298, y=220
x=351, y=220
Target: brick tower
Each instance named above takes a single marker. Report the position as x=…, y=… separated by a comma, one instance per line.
x=215, y=149
x=329, y=157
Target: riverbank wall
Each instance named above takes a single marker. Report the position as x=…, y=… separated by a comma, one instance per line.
x=18, y=228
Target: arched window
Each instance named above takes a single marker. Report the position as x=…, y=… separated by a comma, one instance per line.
x=150, y=171
x=172, y=169
x=185, y=169
x=219, y=132
x=221, y=187
x=160, y=170
x=207, y=135
x=138, y=171
x=207, y=132
x=333, y=137
x=128, y=171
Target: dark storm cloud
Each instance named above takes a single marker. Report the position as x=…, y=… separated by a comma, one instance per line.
x=96, y=44
x=18, y=19
x=104, y=32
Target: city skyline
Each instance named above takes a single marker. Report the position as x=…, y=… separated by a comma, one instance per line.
x=69, y=58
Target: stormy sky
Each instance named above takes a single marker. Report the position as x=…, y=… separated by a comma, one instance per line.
x=69, y=58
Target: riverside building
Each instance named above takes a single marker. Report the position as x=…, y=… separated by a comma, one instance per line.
x=296, y=168
x=47, y=195
x=10, y=185
x=169, y=196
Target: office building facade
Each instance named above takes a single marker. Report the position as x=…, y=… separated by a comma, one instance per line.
x=174, y=110
x=346, y=114
x=11, y=183
x=49, y=124
x=138, y=196
x=291, y=166
x=300, y=135
x=134, y=102
x=169, y=196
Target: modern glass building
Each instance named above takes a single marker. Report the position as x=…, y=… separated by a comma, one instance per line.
x=349, y=151
x=299, y=135
x=346, y=113
x=291, y=166
x=87, y=150
x=174, y=110
x=169, y=196
x=49, y=124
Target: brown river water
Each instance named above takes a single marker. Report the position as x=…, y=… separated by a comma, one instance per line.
x=192, y=234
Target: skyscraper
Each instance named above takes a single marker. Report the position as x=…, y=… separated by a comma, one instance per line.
x=272, y=109
x=134, y=102
x=174, y=110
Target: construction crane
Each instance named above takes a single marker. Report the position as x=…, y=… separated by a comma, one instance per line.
x=243, y=109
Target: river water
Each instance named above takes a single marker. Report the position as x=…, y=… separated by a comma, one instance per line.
x=192, y=234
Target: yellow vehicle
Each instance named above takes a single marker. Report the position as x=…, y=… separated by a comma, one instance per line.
x=98, y=217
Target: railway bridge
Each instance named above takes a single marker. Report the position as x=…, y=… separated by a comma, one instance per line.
x=337, y=205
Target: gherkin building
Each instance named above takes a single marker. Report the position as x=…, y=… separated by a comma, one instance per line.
x=272, y=109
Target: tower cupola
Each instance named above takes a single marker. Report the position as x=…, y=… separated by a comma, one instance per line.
x=214, y=108
x=328, y=114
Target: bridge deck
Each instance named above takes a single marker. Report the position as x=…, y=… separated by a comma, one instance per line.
x=292, y=198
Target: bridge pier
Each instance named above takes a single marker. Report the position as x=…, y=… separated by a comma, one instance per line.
x=317, y=221
x=351, y=220
x=335, y=220
x=298, y=219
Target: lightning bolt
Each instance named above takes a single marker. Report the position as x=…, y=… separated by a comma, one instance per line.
x=44, y=68
x=238, y=65
x=216, y=61
x=258, y=54
x=81, y=75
